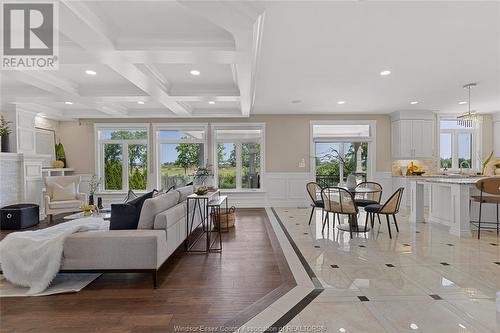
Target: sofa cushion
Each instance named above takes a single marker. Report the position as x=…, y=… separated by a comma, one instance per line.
x=63, y=192
x=154, y=206
x=168, y=218
x=123, y=217
x=66, y=204
x=115, y=249
x=163, y=191
x=185, y=192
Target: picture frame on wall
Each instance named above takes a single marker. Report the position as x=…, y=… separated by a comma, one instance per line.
x=46, y=145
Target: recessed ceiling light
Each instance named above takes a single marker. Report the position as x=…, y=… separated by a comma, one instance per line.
x=69, y=103
x=414, y=102
x=211, y=102
x=384, y=73
x=462, y=102
x=140, y=102
x=296, y=101
x=195, y=72
x=341, y=102
x=90, y=72
x=414, y=326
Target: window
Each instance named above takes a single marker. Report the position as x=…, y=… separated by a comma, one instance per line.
x=456, y=145
x=122, y=158
x=341, y=149
x=180, y=153
x=238, y=156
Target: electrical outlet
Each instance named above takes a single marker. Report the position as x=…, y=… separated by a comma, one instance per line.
x=302, y=163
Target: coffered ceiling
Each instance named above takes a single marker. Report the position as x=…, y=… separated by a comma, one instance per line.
x=264, y=57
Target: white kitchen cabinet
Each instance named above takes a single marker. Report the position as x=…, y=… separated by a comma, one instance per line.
x=412, y=138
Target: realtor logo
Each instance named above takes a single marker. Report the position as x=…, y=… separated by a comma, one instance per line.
x=30, y=36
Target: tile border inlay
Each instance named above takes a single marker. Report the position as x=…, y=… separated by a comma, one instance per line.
x=289, y=305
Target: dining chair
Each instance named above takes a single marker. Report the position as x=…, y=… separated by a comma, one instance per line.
x=339, y=201
x=489, y=186
x=390, y=207
x=365, y=199
x=313, y=189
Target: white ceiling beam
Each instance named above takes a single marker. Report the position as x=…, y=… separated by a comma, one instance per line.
x=202, y=55
x=62, y=88
x=120, y=99
x=102, y=47
x=244, y=20
x=46, y=81
x=175, y=57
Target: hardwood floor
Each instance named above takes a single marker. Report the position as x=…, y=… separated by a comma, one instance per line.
x=193, y=289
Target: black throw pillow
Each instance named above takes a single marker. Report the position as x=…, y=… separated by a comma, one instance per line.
x=139, y=201
x=123, y=217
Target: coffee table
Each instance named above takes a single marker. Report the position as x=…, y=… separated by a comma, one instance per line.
x=104, y=213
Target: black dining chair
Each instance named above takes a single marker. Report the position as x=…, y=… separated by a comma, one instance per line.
x=365, y=199
x=390, y=207
x=317, y=202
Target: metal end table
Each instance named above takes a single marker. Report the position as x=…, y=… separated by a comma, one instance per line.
x=204, y=204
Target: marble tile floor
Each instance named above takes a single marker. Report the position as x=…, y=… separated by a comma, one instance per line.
x=423, y=280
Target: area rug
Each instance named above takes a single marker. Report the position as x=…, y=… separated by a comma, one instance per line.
x=62, y=283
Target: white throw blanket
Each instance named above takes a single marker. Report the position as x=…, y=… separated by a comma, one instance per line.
x=33, y=258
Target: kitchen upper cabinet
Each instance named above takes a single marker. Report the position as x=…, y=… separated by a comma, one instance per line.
x=413, y=138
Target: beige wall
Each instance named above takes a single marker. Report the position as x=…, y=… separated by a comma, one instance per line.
x=78, y=141
x=287, y=139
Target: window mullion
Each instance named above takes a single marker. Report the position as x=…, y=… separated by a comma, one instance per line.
x=341, y=165
x=454, y=151
x=125, y=167
x=238, y=166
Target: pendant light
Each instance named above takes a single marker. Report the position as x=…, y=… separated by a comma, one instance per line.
x=469, y=118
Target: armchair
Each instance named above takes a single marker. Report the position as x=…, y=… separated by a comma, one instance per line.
x=62, y=195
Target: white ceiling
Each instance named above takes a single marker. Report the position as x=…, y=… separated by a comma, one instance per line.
x=257, y=57
x=321, y=53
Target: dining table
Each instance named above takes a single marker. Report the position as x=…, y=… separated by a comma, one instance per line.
x=353, y=221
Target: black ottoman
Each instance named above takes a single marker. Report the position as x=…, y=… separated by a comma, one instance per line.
x=19, y=216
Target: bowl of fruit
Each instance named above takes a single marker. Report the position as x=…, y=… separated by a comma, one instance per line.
x=202, y=190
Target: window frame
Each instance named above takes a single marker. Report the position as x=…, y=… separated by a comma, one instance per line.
x=99, y=148
x=454, y=145
x=176, y=127
x=238, y=144
x=371, y=140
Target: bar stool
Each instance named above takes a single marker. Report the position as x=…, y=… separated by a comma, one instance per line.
x=489, y=186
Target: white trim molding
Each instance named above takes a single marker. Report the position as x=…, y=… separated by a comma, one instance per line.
x=372, y=142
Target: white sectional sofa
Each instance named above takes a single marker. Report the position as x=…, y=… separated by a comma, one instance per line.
x=161, y=230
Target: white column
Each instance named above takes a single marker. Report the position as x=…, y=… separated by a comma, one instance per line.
x=417, y=202
x=460, y=218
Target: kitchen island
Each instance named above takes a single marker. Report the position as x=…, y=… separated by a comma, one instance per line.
x=449, y=203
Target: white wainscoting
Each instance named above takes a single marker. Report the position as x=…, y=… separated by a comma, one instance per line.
x=281, y=189
x=287, y=189
x=11, y=178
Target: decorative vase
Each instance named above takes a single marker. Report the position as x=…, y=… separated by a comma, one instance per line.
x=91, y=199
x=351, y=181
x=5, y=144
